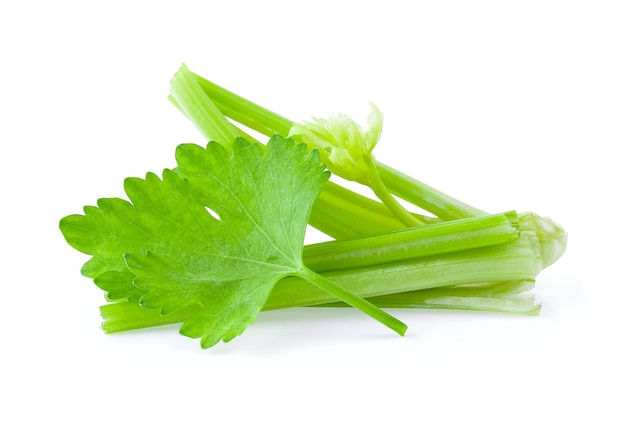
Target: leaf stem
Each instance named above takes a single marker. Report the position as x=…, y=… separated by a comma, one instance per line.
x=353, y=300
x=425, y=196
x=379, y=188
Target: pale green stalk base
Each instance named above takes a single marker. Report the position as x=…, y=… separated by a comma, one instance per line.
x=505, y=297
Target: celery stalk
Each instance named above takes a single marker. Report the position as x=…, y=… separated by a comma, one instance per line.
x=269, y=123
x=504, y=297
x=507, y=297
x=514, y=261
x=519, y=260
x=187, y=94
x=409, y=243
x=341, y=218
x=124, y=316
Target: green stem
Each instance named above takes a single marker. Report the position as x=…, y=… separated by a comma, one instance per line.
x=355, y=201
x=379, y=188
x=244, y=111
x=343, y=219
x=338, y=212
x=424, y=196
x=410, y=243
x=189, y=97
x=513, y=261
x=353, y=300
x=269, y=123
x=126, y=315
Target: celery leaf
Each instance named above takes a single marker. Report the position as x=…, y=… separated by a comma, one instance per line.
x=215, y=240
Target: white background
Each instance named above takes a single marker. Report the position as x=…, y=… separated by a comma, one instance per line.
x=506, y=105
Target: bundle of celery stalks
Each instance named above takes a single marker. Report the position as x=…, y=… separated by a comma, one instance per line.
x=450, y=256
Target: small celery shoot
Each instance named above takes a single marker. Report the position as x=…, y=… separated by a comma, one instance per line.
x=347, y=149
x=343, y=144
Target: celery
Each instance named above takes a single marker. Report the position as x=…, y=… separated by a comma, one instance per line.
x=462, y=258
x=218, y=239
x=267, y=122
x=506, y=297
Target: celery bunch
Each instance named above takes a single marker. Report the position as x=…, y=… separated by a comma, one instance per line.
x=215, y=271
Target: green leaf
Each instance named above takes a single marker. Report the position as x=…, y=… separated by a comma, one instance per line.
x=218, y=238
x=256, y=241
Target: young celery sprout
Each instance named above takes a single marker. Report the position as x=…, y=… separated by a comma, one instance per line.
x=344, y=145
x=347, y=150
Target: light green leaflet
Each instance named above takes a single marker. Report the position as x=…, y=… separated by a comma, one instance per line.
x=343, y=144
x=214, y=236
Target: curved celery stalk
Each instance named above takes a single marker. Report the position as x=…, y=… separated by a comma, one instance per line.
x=244, y=111
x=189, y=97
x=269, y=123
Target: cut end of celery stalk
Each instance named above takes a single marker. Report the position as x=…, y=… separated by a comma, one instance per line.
x=552, y=237
x=124, y=316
